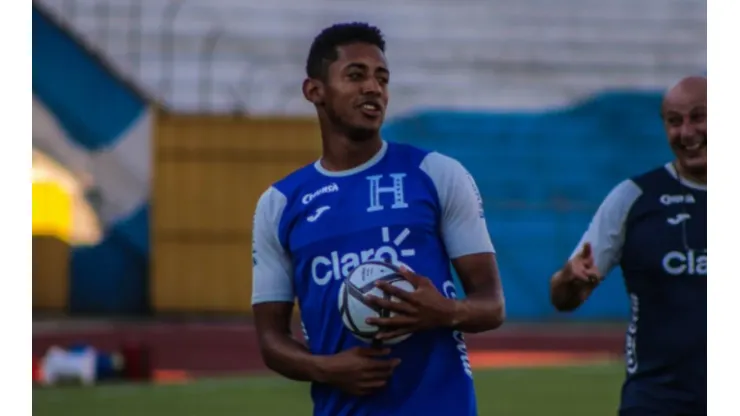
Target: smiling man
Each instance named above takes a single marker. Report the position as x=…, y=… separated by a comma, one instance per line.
x=367, y=199
x=655, y=227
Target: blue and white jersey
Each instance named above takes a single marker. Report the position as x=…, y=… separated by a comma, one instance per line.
x=406, y=205
x=655, y=227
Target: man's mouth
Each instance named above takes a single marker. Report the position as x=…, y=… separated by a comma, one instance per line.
x=371, y=109
x=693, y=145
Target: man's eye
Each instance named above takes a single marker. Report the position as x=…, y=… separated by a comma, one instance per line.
x=674, y=121
x=698, y=118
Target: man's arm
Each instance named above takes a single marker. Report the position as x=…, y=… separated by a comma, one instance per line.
x=484, y=307
x=605, y=237
x=273, y=296
x=466, y=239
x=280, y=351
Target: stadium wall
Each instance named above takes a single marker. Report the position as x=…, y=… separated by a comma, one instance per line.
x=542, y=175
x=209, y=173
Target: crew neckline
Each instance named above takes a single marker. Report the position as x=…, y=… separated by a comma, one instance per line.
x=357, y=169
x=685, y=181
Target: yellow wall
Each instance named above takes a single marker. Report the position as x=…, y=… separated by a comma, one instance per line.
x=209, y=172
x=50, y=275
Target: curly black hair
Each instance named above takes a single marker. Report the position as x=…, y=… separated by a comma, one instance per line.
x=324, y=47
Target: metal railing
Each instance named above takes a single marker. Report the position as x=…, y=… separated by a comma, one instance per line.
x=194, y=56
x=109, y=18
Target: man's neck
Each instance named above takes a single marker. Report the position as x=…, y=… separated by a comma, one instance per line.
x=692, y=176
x=341, y=153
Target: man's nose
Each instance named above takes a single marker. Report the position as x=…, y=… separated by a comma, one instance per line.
x=371, y=87
x=688, y=129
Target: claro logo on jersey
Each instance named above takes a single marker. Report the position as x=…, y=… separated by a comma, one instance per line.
x=691, y=262
x=338, y=265
x=332, y=187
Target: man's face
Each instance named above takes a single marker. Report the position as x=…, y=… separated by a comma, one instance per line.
x=685, y=121
x=356, y=89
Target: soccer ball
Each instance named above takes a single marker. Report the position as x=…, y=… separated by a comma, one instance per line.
x=361, y=282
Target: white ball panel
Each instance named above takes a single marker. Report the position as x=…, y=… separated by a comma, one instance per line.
x=367, y=273
x=358, y=313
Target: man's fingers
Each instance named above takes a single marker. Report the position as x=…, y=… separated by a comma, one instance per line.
x=381, y=366
x=373, y=384
x=379, y=369
x=373, y=352
x=587, y=262
x=368, y=387
x=586, y=251
x=412, y=277
x=395, y=291
x=393, y=333
x=586, y=274
x=378, y=374
x=397, y=321
x=593, y=274
x=394, y=306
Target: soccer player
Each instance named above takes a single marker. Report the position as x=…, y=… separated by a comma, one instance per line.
x=655, y=227
x=369, y=199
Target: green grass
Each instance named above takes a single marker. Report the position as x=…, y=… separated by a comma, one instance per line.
x=571, y=391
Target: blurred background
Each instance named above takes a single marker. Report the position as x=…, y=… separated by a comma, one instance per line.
x=158, y=123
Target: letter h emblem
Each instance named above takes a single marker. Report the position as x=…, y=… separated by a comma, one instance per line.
x=396, y=189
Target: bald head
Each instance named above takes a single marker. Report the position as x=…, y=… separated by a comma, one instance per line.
x=692, y=88
x=684, y=113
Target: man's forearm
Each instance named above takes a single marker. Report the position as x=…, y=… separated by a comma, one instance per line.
x=288, y=357
x=478, y=313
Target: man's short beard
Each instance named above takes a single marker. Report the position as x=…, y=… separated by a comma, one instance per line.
x=355, y=134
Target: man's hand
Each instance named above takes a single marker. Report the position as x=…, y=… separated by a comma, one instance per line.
x=573, y=284
x=424, y=308
x=581, y=270
x=358, y=371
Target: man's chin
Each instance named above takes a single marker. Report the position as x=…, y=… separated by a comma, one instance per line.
x=695, y=165
x=362, y=133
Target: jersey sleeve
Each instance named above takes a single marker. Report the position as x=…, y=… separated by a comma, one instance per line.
x=272, y=270
x=463, y=223
x=606, y=232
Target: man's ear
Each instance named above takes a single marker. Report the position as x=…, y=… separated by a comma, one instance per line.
x=313, y=91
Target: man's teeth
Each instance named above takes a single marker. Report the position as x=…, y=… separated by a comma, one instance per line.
x=371, y=107
x=694, y=146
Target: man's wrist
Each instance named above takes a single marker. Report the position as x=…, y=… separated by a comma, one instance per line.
x=473, y=315
x=455, y=313
x=319, y=371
